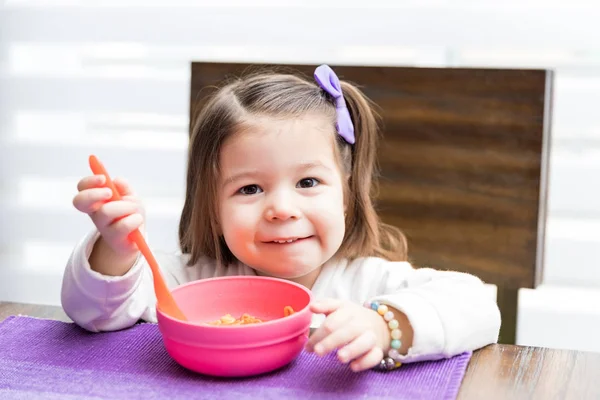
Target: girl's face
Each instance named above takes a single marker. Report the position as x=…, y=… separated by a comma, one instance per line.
x=281, y=205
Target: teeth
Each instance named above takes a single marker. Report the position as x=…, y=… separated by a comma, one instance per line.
x=284, y=241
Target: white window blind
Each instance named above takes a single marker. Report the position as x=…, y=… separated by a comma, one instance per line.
x=112, y=78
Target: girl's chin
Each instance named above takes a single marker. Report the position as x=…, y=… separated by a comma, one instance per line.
x=289, y=275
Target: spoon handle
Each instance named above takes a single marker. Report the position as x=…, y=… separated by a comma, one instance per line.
x=165, y=300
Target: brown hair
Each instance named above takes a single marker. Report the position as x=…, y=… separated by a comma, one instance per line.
x=284, y=95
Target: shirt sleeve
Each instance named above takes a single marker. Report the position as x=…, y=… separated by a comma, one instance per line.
x=107, y=303
x=450, y=312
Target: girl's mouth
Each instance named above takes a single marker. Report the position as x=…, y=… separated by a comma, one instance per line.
x=289, y=240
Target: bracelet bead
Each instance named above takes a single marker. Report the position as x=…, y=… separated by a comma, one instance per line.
x=390, y=361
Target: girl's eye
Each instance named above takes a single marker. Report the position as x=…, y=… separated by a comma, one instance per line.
x=250, y=189
x=308, y=183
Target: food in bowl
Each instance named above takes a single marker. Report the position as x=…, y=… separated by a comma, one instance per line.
x=287, y=311
x=228, y=319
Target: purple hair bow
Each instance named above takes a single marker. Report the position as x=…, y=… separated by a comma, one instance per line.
x=329, y=82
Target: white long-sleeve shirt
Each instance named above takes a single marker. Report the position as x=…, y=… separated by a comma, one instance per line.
x=450, y=312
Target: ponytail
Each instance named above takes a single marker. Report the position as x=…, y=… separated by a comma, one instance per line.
x=366, y=234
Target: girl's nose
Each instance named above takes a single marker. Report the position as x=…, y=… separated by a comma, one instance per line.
x=281, y=207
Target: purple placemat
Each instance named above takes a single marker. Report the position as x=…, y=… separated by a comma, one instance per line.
x=45, y=359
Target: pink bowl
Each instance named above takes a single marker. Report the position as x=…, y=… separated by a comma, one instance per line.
x=240, y=350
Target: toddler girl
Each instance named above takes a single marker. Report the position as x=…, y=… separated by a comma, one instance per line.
x=279, y=181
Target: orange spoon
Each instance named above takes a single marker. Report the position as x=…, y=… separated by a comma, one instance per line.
x=165, y=300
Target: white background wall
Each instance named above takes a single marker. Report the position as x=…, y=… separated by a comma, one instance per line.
x=77, y=78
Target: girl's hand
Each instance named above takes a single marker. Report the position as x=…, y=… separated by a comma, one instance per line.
x=359, y=334
x=115, y=220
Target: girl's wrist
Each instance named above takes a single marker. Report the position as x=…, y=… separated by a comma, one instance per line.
x=106, y=261
x=396, y=331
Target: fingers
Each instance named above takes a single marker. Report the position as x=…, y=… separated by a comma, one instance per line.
x=94, y=181
x=91, y=194
x=331, y=325
x=349, y=329
x=114, y=212
x=98, y=181
x=128, y=224
x=114, y=219
x=338, y=339
x=356, y=346
x=326, y=306
x=118, y=232
x=90, y=200
x=360, y=346
x=367, y=361
x=123, y=187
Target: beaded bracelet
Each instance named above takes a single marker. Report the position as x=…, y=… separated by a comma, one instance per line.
x=390, y=361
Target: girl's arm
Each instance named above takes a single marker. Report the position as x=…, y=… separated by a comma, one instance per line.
x=446, y=312
x=449, y=312
x=99, y=302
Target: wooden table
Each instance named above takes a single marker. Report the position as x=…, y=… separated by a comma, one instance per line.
x=494, y=372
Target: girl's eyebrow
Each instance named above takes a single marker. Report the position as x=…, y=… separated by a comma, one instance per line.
x=242, y=175
x=312, y=164
x=306, y=165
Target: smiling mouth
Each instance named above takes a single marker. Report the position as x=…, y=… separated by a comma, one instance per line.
x=286, y=241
